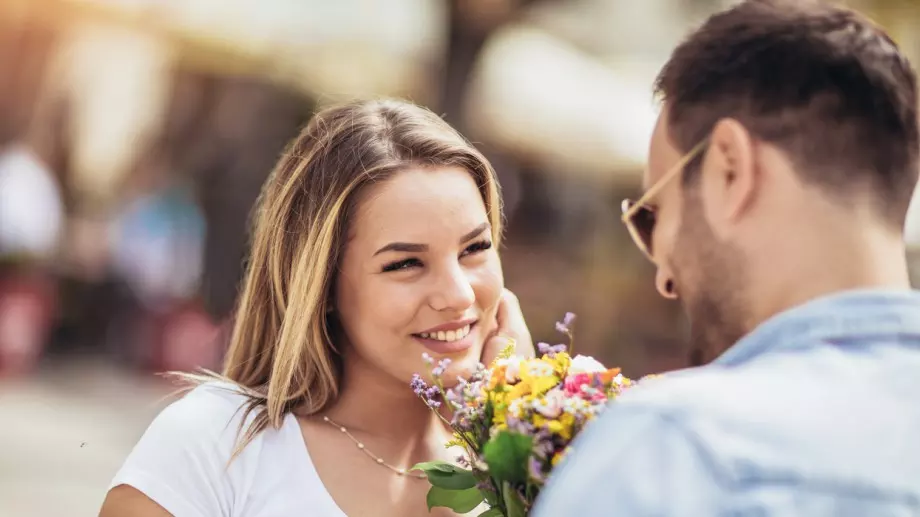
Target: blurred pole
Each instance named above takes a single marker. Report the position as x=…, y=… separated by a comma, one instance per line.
x=246, y=129
x=470, y=24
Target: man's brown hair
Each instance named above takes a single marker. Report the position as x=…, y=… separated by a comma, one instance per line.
x=817, y=80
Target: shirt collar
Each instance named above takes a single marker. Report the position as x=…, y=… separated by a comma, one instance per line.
x=861, y=313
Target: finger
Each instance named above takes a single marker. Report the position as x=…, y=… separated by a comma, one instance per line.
x=490, y=350
x=493, y=347
x=507, y=307
x=501, y=315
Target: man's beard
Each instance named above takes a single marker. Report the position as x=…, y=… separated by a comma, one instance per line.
x=711, y=284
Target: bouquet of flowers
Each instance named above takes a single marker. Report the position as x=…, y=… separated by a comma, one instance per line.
x=514, y=420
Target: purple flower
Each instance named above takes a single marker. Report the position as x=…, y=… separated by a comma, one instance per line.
x=418, y=385
x=484, y=486
x=432, y=397
x=565, y=326
x=519, y=426
x=460, y=421
x=429, y=394
x=455, y=397
x=475, y=390
x=535, y=470
x=438, y=370
x=543, y=446
x=550, y=350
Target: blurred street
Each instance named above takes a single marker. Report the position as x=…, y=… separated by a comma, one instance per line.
x=135, y=136
x=65, y=431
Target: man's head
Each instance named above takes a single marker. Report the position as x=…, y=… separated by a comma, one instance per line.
x=784, y=123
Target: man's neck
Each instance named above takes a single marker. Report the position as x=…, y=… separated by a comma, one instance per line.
x=822, y=266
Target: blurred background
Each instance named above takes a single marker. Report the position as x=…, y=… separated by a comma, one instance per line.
x=135, y=135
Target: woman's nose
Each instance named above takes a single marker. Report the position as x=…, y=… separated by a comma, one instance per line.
x=453, y=290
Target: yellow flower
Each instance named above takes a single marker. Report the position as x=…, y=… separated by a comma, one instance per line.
x=561, y=426
x=498, y=376
x=456, y=441
x=499, y=398
x=561, y=363
x=558, y=457
x=539, y=376
x=567, y=421
x=520, y=390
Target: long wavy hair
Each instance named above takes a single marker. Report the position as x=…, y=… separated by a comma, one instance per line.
x=282, y=354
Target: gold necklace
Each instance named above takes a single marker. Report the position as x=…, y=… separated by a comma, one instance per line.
x=377, y=459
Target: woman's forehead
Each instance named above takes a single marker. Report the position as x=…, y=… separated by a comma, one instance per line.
x=419, y=201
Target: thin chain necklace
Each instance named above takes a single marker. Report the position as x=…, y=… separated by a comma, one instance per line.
x=377, y=459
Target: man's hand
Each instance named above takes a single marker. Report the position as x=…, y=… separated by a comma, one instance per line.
x=511, y=326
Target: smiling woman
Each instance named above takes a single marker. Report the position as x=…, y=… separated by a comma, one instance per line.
x=375, y=242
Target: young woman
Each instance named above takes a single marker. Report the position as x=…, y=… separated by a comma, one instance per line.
x=375, y=242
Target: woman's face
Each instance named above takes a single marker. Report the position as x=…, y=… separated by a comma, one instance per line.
x=419, y=274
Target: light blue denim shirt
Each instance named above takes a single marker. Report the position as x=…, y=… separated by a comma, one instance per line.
x=815, y=413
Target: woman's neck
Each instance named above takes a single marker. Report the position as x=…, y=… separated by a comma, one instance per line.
x=372, y=403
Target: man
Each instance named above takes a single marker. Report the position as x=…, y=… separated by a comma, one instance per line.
x=780, y=173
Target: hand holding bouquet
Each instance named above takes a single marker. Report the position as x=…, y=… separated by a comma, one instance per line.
x=515, y=420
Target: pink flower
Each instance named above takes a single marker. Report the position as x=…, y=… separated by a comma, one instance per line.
x=588, y=386
x=574, y=382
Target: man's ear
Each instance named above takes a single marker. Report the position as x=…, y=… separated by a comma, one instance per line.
x=729, y=175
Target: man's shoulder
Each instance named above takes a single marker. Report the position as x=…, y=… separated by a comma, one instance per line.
x=700, y=390
x=785, y=413
x=720, y=414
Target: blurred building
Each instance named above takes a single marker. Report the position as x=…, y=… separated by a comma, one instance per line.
x=135, y=135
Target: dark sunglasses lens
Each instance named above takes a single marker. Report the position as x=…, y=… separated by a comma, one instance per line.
x=643, y=221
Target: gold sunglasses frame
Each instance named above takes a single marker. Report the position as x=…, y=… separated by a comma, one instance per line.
x=630, y=208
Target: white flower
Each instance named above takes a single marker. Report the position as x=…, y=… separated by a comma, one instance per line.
x=585, y=364
x=539, y=369
x=516, y=408
x=551, y=404
x=512, y=368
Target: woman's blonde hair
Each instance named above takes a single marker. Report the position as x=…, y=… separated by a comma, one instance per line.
x=281, y=353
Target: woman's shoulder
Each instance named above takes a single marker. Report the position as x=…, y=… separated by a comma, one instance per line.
x=206, y=423
x=189, y=461
x=214, y=399
x=211, y=410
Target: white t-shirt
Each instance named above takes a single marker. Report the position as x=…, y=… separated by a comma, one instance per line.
x=181, y=462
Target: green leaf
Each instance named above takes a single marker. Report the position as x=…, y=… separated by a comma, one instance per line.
x=492, y=497
x=460, y=501
x=513, y=502
x=506, y=455
x=438, y=465
x=453, y=479
x=491, y=512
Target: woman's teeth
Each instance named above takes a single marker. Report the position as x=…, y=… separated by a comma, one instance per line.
x=447, y=335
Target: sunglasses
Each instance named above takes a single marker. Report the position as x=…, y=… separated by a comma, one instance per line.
x=639, y=217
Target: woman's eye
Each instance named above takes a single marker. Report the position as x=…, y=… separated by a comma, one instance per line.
x=414, y=262
x=402, y=264
x=477, y=247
